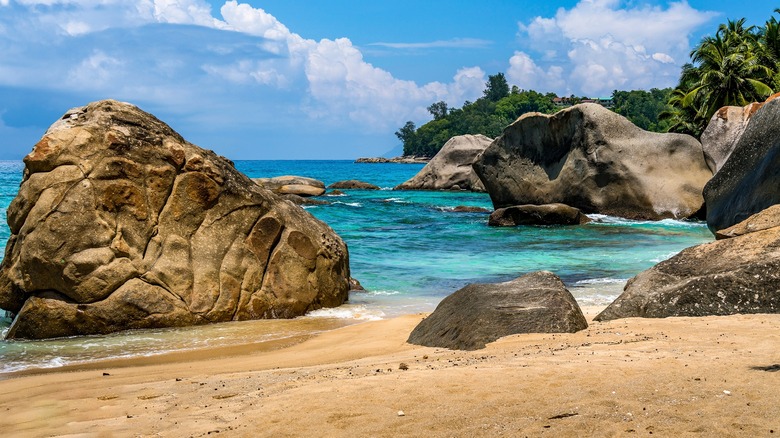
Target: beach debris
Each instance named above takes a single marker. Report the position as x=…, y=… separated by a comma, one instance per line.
x=106, y=374
x=565, y=415
x=727, y=392
x=403, y=366
x=401, y=414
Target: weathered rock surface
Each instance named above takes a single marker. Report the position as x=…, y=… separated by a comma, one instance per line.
x=764, y=220
x=590, y=158
x=749, y=181
x=292, y=185
x=451, y=168
x=724, y=131
x=481, y=313
x=353, y=184
x=121, y=224
x=736, y=275
x=549, y=214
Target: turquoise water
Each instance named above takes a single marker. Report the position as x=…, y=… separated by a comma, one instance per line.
x=409, y=250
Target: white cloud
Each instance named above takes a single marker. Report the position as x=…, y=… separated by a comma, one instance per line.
x=524, y=73
x=456, y=43
x=601, y=45
x=330, y=79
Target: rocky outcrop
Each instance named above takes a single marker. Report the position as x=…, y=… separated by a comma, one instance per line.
x=120, y=223
x=735, y=275
x=724, y=131
x=481, y=313
x=397, y=160
x=764, y=220
x=451, y=168
x=292, y=185
x=549, y=214
x=353, y=184
x=749, y=181
x=469, y=209
x=590, y=158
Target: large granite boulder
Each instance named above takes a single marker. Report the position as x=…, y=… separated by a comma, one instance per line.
x=764, y=220
x=292, y=185
x=120, y=223
x=481, y=313
x=549, y=214
x=736, y=275
x=724, y=131
x=590, y=158
x=749, y=181
x=451, y=168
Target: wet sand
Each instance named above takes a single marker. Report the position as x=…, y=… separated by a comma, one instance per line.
x=714, y=376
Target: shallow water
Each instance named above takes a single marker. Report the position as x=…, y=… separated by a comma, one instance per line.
x=408, y=249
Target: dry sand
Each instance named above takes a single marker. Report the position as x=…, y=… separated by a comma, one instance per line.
x=714, y=376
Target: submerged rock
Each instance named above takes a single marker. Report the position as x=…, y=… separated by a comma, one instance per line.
x=482, y=313
x=736, y=275
x=120, y=223
x=292, y=185
x=549, y=214
x=451, y=168
x=749, y=181
x=353, y=184
x=592, y=159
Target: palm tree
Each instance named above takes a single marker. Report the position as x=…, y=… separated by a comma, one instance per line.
x=769, y=41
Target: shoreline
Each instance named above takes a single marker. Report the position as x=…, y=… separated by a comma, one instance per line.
x=711, y=375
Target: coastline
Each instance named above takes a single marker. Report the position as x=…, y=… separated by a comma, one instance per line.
x=711, y=375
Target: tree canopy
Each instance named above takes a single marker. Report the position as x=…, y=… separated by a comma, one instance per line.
x=738, y=65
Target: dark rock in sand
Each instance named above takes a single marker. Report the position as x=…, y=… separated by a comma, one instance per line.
x=593, y=159
x=736, y=275
x=481, y=313
x=355, y=285
x=292, y=185
x=549, y=214
x=451, y=168
x=120, y=223
x=749, y=181
x=353, y=184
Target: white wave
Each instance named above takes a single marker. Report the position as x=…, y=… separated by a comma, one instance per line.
x=614, y=220
x=383, y=292
x=662, y=258
x=606, y=280
x=335, y=195
x=350, y=204
x=385, y=188
x=360, y=313
x=308, y=207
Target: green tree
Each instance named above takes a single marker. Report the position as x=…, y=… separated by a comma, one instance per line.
x=438, y=110
x=407, y=135
x=496, y=87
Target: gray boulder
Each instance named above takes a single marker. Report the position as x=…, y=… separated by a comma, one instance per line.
x=749, y=181
x=549, y=214
x=592, y=159
x=120, y=223
x=292, y=185
x=482, y=313
x=353, y=184
x=736, y=275
x=724, y=130
x=451, y=168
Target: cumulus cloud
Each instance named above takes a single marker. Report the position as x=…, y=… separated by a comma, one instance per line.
x=601, y=45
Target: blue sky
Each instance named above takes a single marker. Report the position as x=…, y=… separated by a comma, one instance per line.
x=290, y=79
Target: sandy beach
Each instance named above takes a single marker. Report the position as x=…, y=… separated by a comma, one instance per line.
x=713, y=376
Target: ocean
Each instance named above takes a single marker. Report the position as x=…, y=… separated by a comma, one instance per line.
x=409, y=249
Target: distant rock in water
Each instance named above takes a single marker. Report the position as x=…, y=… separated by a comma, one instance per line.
x=549, y=214
x=726, y=277
x=482, y=313
x=353, y=184
x=724, y=131
x=469, y=209
x=396, y=160
x=451, y=168
x=593, y=159
x=749, y=180
x=292, y=185
x=120, y=224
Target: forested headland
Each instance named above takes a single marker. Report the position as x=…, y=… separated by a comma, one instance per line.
x=738, y=65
